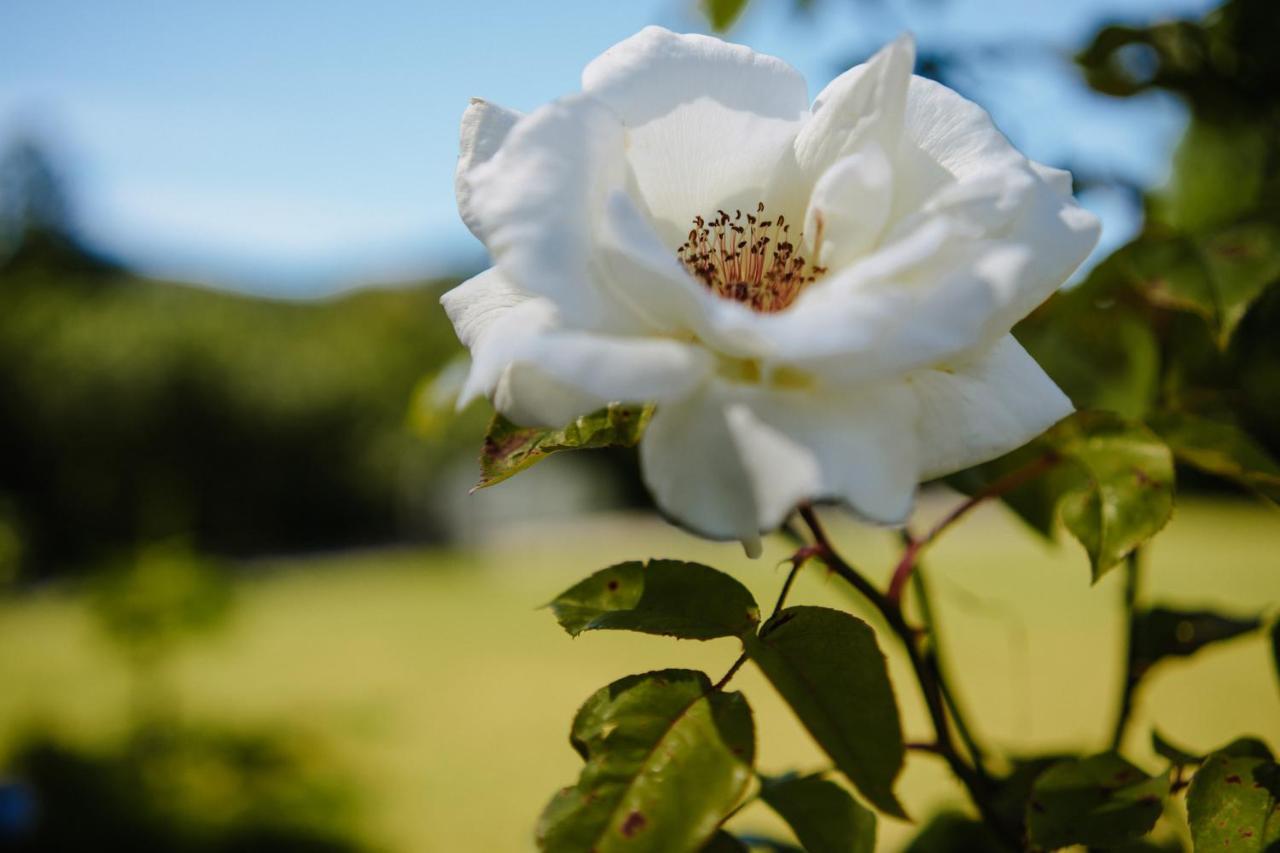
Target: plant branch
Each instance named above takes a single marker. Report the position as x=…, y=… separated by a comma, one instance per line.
x=1131, y=677
x=798, y=559
x=1001, y=486
x=827, y=553
x=927, y=675
x=733, y=670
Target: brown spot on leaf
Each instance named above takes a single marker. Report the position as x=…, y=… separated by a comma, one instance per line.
x=633, y=824
x=1234, y=779
x=504, y=448
x=613, y=585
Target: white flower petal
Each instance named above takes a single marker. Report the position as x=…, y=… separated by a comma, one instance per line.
x=539, y=374
x=644, y=272
x=953, y=131
x=617, y=369
x=730, y=461
x=484, y=127
x=951, y=279
x=692, y=467
x=945, y=138
x=1060, y=234
x=984, y=408
x=478, y=302
x=781, y=471
x=645, y=76
x=1013, y=205
x=849, y=207
x=1059, y=179
x=537, y=201
x=863, y=104
x=531, y=398
x=708, y=123
x=920, y=300
x=854, y=446
x=501, y=340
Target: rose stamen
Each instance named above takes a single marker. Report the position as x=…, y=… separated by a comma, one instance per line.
x=755, y=264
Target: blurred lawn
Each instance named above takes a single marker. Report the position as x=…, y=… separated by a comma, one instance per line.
x=439, y=686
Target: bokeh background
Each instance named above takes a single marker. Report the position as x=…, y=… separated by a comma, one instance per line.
x=246, y=601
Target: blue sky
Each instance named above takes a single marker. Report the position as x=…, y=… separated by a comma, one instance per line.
x=294, y=147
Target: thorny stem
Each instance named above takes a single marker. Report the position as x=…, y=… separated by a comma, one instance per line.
x=1132, y=578
x=798, y=559
x=733, y=670
x=1003, y=485
x=927, y=675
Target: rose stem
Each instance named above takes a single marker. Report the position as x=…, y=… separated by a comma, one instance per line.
x=1005, y=484
x=1132, y=578
x=928, y=677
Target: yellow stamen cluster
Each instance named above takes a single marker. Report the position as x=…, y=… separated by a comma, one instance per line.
x=749, y=260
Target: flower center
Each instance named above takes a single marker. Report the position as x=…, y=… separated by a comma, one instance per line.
x=750, y=260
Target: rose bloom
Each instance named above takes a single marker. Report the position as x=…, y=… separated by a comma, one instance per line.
x=817, y=297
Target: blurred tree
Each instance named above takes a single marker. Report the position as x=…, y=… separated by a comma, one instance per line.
x=37, y=223
x=145, y=410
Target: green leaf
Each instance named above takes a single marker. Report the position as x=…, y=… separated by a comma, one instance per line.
x=823, y=816
x=1220, y=448
x=1216, y=276
x=827, y=666
x=1112, y=488
x=1160, y=632
x=1012, y=791
x=1247, y=747
x=723, y=842
x=722, y=13
x=1126, y=496
x=667, y=759
x=1171, y=274
x=1099, y=349
x=1102, y=800
x=951, y=832
x=1243, y=260
x=510, y=449
x=686, y=600
x=1232, y=804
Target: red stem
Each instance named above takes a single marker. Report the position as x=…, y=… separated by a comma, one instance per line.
x=1007, y=483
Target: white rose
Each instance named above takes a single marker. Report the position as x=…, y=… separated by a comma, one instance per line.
x=818, y=297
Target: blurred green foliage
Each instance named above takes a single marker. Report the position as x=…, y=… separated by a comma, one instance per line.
x=1177, y=328
x=177, y=789
x=149, y=604
x=138, y=409
x=169, y=784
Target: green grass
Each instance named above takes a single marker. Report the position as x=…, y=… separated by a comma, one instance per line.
x=446, y=694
